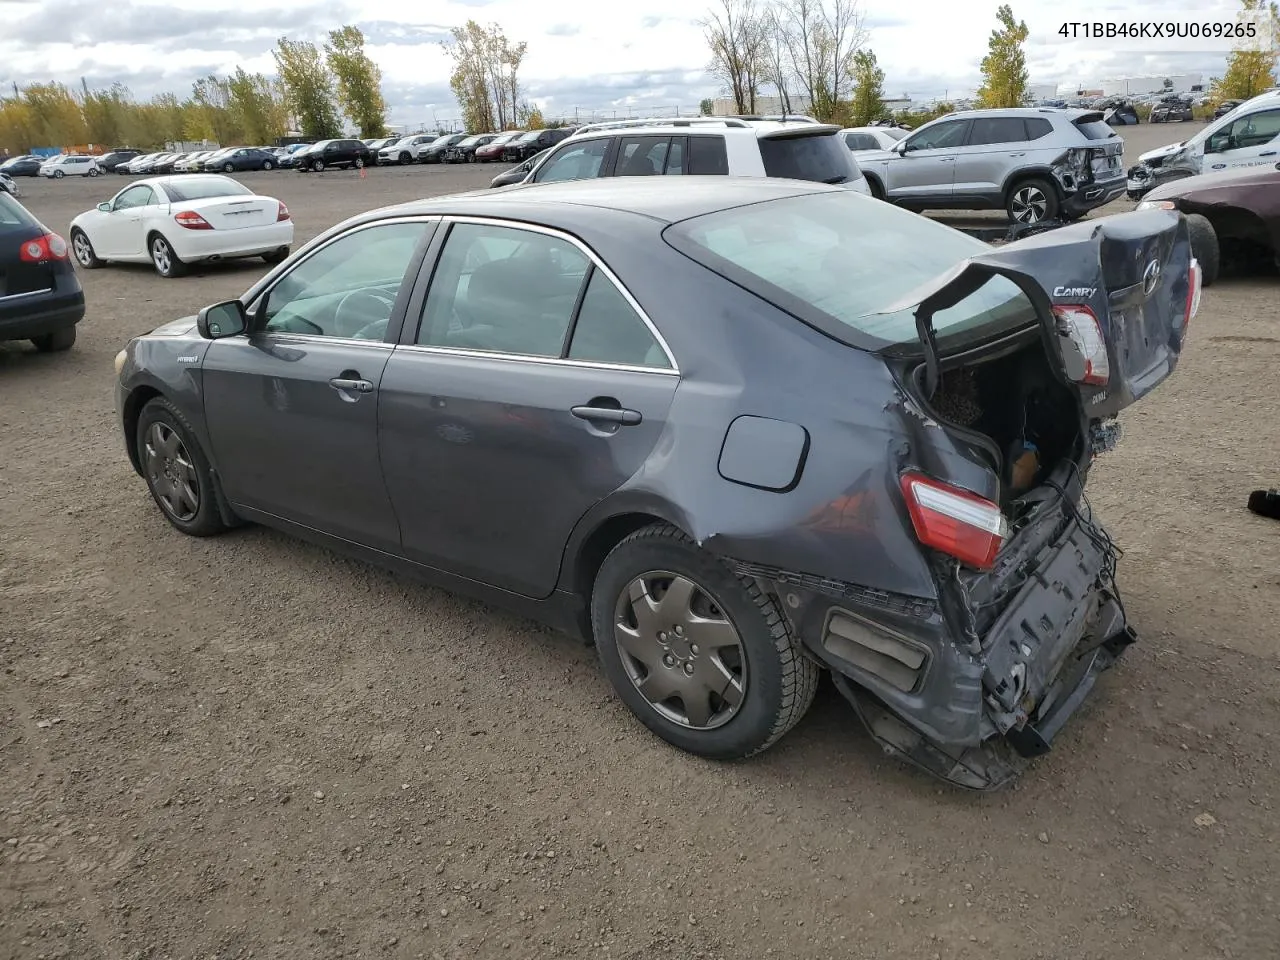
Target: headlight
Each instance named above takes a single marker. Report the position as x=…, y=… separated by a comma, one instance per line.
x=1157, y=205
x=121, y=357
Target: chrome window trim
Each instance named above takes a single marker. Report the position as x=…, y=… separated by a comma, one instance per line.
x=532, y=358
x=286, y=336
x=595, y=260
x=252, y=306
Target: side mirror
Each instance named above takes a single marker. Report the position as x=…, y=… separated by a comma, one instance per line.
x=105, y=207
x=224, y=319
x=901, y=148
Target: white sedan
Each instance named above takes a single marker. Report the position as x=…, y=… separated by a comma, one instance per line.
x=176, y=221
x=866, y=139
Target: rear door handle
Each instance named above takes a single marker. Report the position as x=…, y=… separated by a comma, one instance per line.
x=946, y=159
x=627, y=418
x=357, y=386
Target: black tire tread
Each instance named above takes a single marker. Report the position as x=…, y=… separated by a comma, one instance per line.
x=800, y=673
x=1205, y=247
x=1050, y=191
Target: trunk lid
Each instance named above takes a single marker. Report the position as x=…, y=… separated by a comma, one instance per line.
x=17, y=276
x=237, y=212
x=1113, y=298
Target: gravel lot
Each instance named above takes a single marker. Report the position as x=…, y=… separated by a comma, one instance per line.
x=247, y=746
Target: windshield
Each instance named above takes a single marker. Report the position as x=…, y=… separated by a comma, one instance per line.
x=531, y=135
x=836, y=259
x=469, y=142
x=822, y=158
x=893, y=133
x=202, y=188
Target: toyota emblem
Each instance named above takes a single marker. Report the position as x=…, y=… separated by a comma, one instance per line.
x=1151, y=277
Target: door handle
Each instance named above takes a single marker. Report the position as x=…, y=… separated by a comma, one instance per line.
x=1267, y=153
x=358, y=386
x=946, y=159
x=1017, y=154
x=626, y=418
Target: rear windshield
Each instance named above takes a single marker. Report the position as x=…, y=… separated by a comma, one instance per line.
x=822, y=158
x=13, y=214
x=836, y=260
x=188, y=188
x=1095, y=130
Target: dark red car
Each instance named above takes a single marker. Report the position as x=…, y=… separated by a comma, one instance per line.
x=492, y=150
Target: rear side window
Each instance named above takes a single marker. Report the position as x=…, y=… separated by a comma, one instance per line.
x=642, y=156
x=822, y=158
x=1038, y=127
x=987, y=130
x=1094, y=129
x=707, y=157
x=861, y=141
x=608, y=329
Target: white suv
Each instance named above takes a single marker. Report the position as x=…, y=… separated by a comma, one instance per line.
x=406, y=149
x=1248, y=136
x=715, y=146
x=67, y=165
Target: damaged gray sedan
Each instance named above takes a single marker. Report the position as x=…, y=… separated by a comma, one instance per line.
x=734, y=432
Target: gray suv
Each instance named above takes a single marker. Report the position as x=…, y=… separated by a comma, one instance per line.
x=1035, y=163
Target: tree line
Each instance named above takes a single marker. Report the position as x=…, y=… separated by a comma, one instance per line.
x=818, y=50
x=314, y=89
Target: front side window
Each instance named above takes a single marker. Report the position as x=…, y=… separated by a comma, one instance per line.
x=577, y=161
x=348, y=287
x=1252, y=131
x=949, y=133
x=140, y=196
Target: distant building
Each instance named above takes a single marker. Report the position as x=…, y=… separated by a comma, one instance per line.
x=1136, y=86
x=1042, y=91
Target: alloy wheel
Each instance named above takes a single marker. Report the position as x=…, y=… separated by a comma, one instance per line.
x=680, y=650
x=84, y=252
x=160, y=254
x=170, y=472
x=1029, y=204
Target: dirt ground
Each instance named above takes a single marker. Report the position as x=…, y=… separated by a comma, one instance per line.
x=247, y=746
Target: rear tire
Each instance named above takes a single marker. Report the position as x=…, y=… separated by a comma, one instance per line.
x=1031, y=201
x=166, y=262
x=747, y=686
x=57, y=341
x=1204, y=247
x=177, y=470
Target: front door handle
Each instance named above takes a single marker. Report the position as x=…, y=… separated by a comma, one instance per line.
x=626, y=418
x=1267, y=153
x=354, y=385
x=946, y=159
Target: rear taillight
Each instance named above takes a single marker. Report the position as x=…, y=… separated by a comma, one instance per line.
x=1194, y=282
x=956, y=522
x=48, y=246
x=284, y=212
x=192, y=220
x=1080, y=325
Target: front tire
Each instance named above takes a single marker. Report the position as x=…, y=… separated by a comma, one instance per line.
x=1204, y=247
x=57, y=341
x=93, y=172
x=700, y=655
x=359, y=164
x=317, y=166
x=83, y=249
x=1031, y=201
x=267, y=165
x=58, y=174
x=167, y=263
x=405, y=159
x=177, y=471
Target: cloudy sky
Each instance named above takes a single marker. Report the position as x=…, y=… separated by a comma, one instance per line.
x=583, y=54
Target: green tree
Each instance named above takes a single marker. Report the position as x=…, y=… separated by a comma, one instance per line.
x=486, y=76
x=736, y=36
x=56, y=118
x=209, y=115
x=1251, y=67
x=256, y=106
x=533, y=120
x=1004, y=68
x=106, y=113
x=359, y=81
x=308, y=88
x=706, y=107
x=868, y=89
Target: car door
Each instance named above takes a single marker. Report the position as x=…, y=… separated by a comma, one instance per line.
x=924, y=167
x=1249, y=141
x=119, y=234
x=994, y=148
x=291, y=406
x=528, y=386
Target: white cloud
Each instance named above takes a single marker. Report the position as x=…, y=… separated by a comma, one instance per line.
x=582, y=53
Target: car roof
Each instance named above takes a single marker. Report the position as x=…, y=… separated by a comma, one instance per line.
x=1070, y=112
x=729, y=126
x=185, y=178
x=668, y=201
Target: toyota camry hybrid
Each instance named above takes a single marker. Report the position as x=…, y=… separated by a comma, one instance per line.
x=734, y=432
